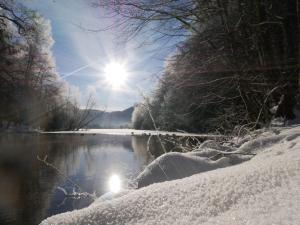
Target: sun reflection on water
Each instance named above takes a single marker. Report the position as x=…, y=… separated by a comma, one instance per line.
x=114, y=183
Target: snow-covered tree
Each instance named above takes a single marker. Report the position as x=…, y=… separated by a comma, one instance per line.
x=30, y=87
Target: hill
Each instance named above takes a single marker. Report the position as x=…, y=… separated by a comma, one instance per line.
x=115, y=119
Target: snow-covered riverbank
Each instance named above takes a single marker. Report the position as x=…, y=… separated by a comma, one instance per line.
x=134, y=132
x=263, y=190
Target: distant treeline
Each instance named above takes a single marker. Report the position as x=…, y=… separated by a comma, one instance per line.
x=32, y=94
x=237, y=66
x=114, y=119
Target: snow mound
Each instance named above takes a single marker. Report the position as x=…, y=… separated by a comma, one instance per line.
x=268, y=139
x=263, y=190
x=176, y=165
x=210, y=155
x=111, y=195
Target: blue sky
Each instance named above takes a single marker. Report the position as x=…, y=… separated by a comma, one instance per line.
x=81, y=55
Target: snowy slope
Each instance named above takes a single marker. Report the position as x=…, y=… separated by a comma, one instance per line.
x=176, y=165
x=263, y=190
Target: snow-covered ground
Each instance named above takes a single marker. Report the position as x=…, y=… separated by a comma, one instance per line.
x=264, y=189
x=133, y=132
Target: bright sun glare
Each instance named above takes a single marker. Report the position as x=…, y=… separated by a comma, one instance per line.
x=115, y=74
x=114, y=183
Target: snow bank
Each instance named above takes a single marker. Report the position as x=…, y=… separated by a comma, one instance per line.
x=176, y=165
x=209, y=156
x=263, y=190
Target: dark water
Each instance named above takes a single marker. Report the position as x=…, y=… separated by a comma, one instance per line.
x=29, y=189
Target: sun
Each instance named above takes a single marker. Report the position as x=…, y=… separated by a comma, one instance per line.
x=115, y=74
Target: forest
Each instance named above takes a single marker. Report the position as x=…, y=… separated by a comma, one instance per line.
x=237, y=65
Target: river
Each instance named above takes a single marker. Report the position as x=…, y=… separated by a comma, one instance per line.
x=32, y=190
